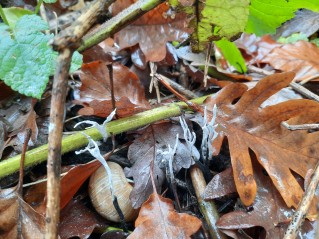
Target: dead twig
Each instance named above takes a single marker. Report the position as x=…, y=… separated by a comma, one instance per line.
x=300, y=213
x=300, y=126
x=208, y=209
x=19, y=187
x=54, y=142
x=65, y=43
x=305, y=92
x=193, y=106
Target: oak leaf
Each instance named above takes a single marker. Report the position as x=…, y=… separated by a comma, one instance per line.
x=158, y=219
x=247, y=127
x=269, y=210
x=301, y=57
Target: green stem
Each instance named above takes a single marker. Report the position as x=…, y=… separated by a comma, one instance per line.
x=118, y=22
x=37, y=9
x=3, y=16
x=78, y=140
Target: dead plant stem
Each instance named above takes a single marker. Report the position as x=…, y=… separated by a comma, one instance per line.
x=208, y=209
x=54, y=141
x=300, y=213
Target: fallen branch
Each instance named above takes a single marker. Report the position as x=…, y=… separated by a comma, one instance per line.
x=78, y=140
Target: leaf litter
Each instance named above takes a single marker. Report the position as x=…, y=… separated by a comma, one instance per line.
x=248, y=126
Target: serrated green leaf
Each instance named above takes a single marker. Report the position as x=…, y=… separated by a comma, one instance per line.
x=265, y=16
x=26, y=61
x=232, y=54
x=220, y=19
x=13, y=14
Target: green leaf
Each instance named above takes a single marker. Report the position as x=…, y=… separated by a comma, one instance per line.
x=232, y=54
x=27, y=61
x=220, y=19
x=13, y=14
x=76, y=62
x=265, y=16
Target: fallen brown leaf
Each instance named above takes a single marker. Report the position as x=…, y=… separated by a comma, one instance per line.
x=78, y=221
x=278, y=150
x=151, y=31
x=158, y=219
x=95, y=92
x=268, y=211
x=301, y=57
x=151, y=144
x=11, y=205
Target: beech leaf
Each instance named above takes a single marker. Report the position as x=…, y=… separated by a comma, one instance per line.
x=280, y=151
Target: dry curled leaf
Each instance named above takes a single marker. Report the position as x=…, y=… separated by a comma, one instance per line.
x=249, y=127
x=158, y=219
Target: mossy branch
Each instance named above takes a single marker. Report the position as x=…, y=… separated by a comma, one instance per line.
x=78, y=140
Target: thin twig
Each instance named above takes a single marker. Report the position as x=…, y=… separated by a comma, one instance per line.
x=303, y=207
x=207, y=61
x=71, y=36
x=110, y=68
x=302, y=90
x=19, y=187
x=66, y=42
x=313, y=77
x=300, y=126
x=189, y=94
x=193, y=106
x=54, y=142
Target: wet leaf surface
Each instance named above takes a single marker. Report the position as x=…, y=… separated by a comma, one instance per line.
x=268, y=211
x=301, y=57
x=278, y=150
x=152, y=31
x=95, y=92
x=158, y=219
x=78, y=221
x=11, y=205
x=152, y=143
